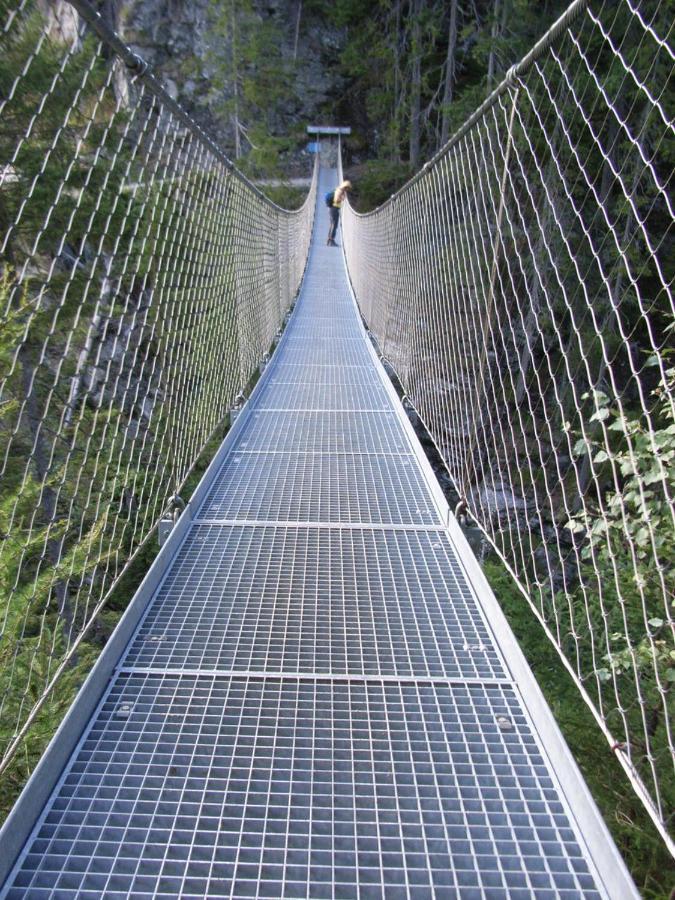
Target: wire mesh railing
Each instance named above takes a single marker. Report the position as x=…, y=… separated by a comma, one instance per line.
x=521, y=287
x=143, y=279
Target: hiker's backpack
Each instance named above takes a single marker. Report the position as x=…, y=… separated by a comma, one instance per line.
x=329, y=198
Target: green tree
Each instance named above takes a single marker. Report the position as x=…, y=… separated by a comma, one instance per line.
x=251, y=82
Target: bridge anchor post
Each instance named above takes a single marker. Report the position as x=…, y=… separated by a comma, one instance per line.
x=174, y=509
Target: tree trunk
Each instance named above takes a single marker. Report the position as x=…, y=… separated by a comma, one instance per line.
x=396, y=136
x=449, y=72
x=109, y=13
x=235, y=83
x=48, y=499
x=494, y=36
x=534, y=292
x=416, y=85
x=297, y=31
x=526, y=352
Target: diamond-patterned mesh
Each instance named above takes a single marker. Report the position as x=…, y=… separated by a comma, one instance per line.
x=314, y=704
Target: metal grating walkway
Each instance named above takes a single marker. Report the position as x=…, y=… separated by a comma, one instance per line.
x=320, y=699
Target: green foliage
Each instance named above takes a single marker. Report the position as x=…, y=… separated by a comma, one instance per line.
x=375, y=180
x=639, y=510
x=634, y=526
x=47, y=721
x=382, y=41
x=640, y=845
x=626, y=574
x=250, y=82
x=285, y=195
x=60, y=141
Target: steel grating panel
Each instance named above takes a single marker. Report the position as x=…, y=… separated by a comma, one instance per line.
x=326, y=322
x=318, y=395
x=247, y=787
x=311, y=332
x=311, y=324
x=320, y=488
x=325, y=295
x=323, y=432
x=313, y=704
x=290, y=364
x=328, y=343
x=327, y=376
x=334, y=319
x=304, y=351
x=335, y=601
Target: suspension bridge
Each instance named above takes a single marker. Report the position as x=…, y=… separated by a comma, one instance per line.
x=314, y=691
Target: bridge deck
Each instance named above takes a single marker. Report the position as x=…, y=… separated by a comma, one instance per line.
x=321, y=699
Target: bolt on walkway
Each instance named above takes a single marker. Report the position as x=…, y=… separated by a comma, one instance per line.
x=321, y=699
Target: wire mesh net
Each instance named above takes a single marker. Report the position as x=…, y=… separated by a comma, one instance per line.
x=142, y=282
x=521, y=287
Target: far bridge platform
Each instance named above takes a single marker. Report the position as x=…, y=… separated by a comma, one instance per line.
x=315, y=693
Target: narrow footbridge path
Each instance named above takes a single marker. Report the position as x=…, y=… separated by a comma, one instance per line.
x=319, y=696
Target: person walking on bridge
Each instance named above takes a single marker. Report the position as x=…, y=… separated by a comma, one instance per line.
x=339, y=196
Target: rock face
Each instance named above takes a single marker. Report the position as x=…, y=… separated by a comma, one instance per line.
x=62, y=22
x=165, y=32
x=178, y=41
x=496, y=499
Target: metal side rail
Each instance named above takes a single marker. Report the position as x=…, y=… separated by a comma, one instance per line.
x=314, y=693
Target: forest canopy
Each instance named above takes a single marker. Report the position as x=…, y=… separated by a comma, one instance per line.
x=403, y=74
